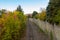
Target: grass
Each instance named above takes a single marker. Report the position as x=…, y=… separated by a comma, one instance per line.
x=51, y=35
x=40, y=30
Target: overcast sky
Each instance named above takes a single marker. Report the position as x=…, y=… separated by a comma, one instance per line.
x=28, y=6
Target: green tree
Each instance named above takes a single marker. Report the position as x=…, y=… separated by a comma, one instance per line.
x=57, y=18
x=34, y=13
x=41, y=15
x=19, y=8
x=52, y=10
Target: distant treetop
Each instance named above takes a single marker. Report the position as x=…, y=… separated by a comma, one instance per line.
x=19, y=8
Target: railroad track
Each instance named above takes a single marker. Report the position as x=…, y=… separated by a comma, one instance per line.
x=30, y=35
x=32, y=32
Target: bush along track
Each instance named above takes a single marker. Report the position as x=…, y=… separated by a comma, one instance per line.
x=12, y=25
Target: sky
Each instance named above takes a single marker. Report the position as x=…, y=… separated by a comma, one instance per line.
x=28, y=6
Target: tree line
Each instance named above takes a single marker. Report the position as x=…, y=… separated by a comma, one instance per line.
x=12, y=24
x=51, y=14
